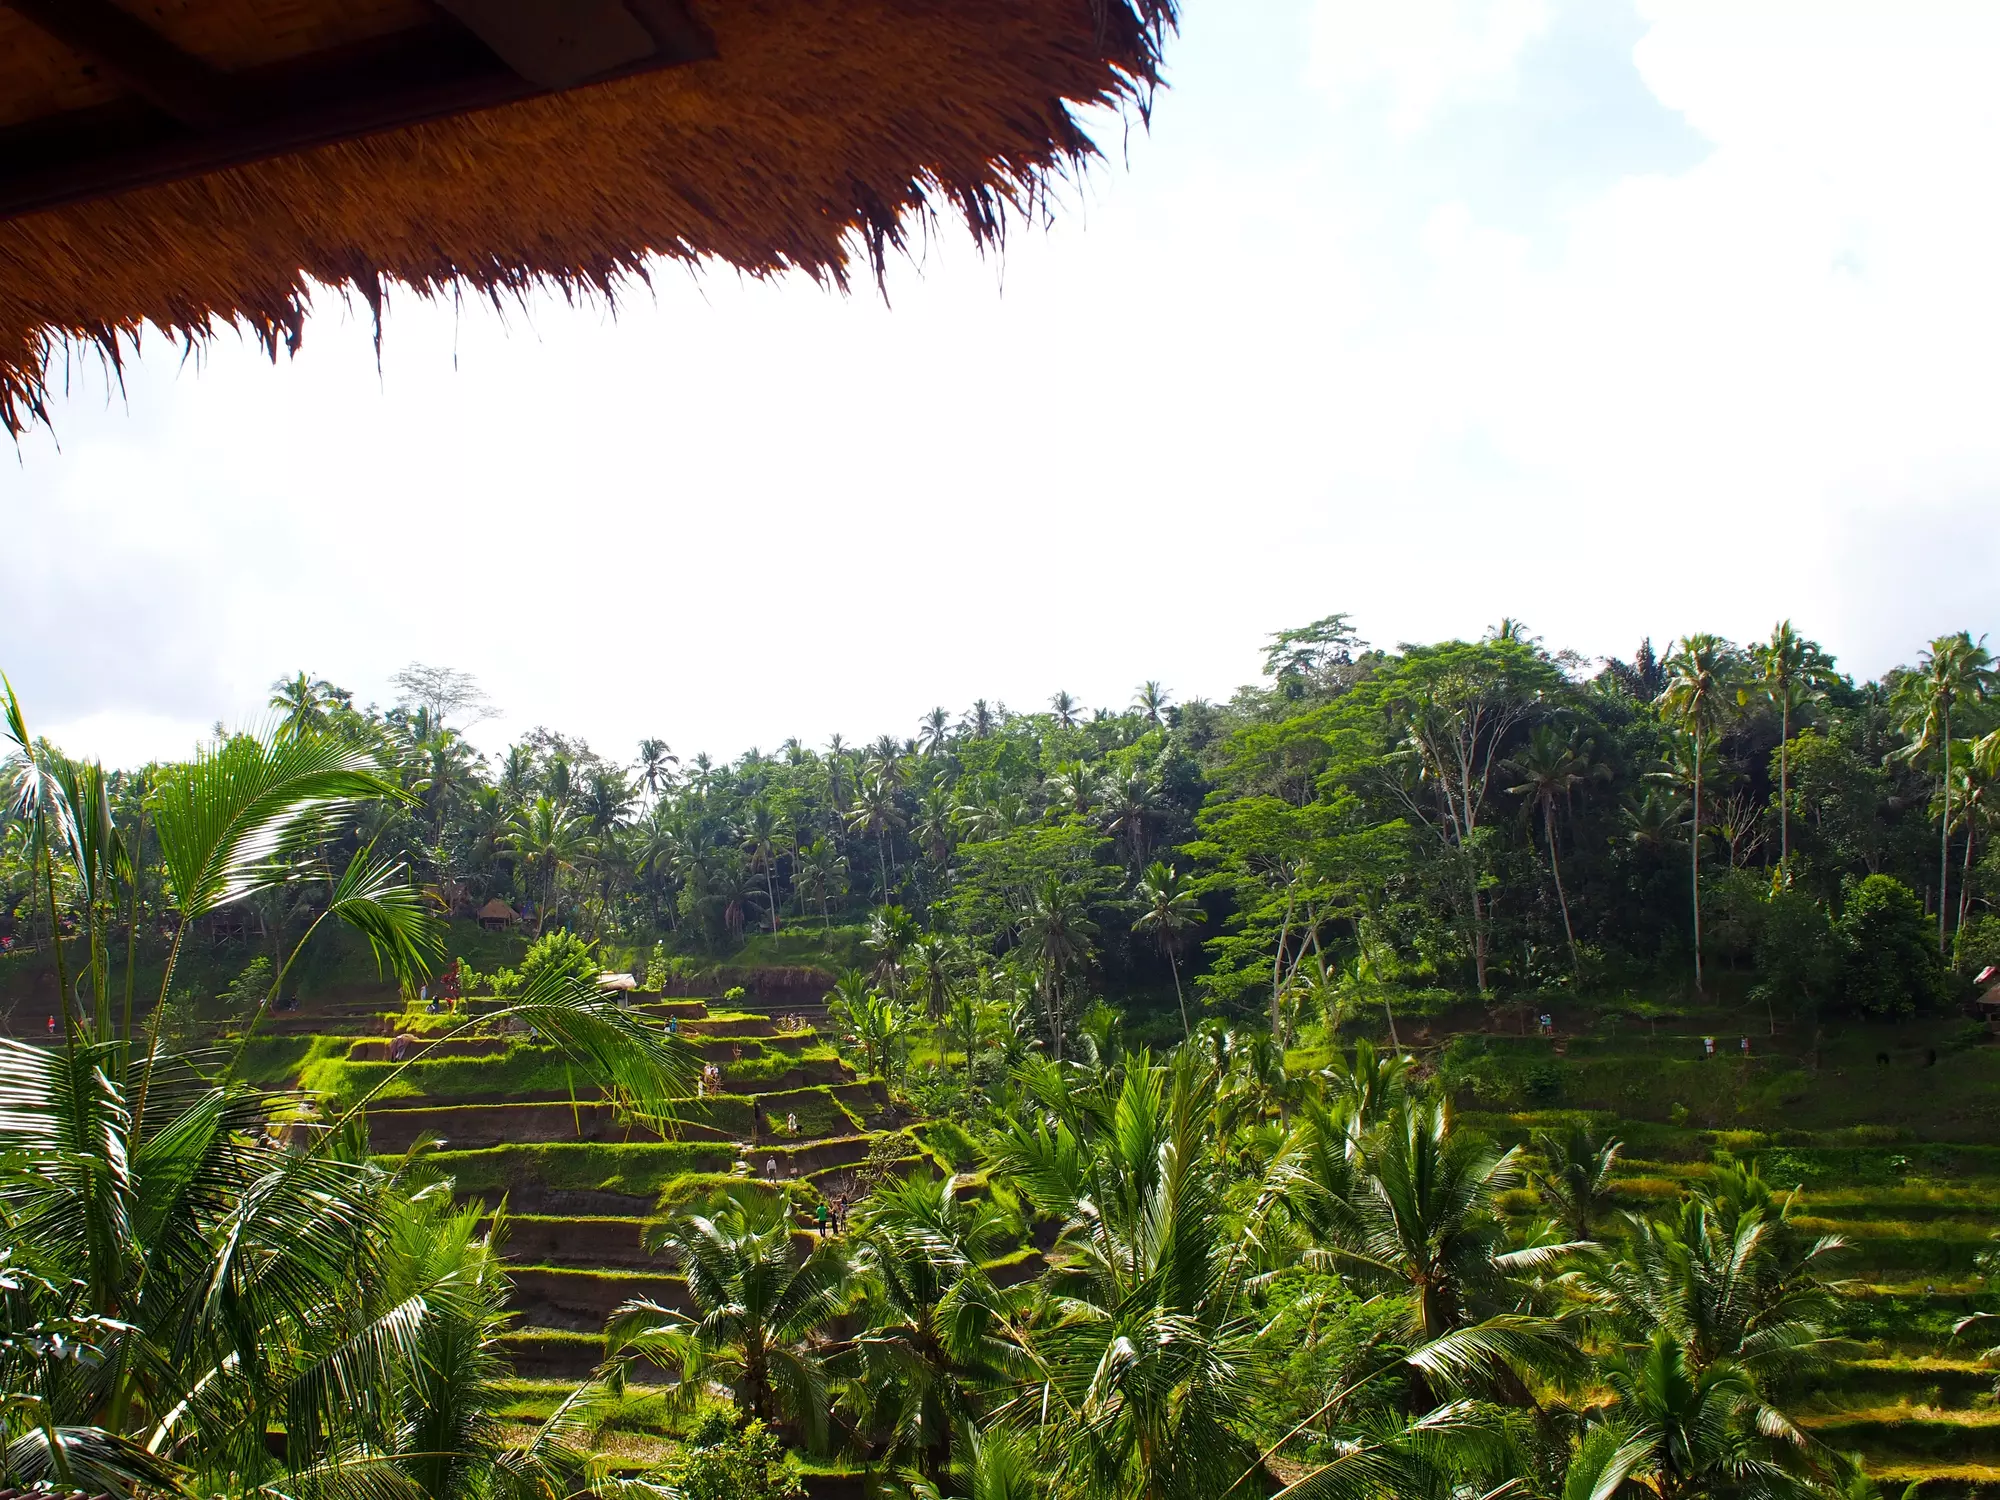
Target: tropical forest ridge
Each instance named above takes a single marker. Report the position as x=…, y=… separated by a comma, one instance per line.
x=1457, y=1065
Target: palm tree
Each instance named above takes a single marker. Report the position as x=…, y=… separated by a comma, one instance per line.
x=548, y=839
x=1074, y=789
x=654, y=758
x=760, y=840
x=1576, y=1180
x=935, y=958
x=1700, y=689
x=1064, y=707
x=230, y=1293
x=934, y=1339
x=1151, y=701
x=1057, y=930
x=304, y=701
x=935, y=733
x=891, y=933
x=1550, y=769
x=980, y=721
x=876, y=814
x=1422, y=1212
x=1791, y=673
x=1131, y=806
x=1953, y=669
x=1145, y=1374
x=1681, y=1432
x=816, y=872
x=761, y=1313
x=1168, y=905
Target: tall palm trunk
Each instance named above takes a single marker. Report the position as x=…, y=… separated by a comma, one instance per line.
x=1173, y=963
x=1785, y=790
x=771, y=893
x=1944, y=837
x=1694, y=863
x=1555, y=870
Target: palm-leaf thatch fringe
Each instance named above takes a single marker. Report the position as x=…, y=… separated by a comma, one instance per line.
x=817, y=136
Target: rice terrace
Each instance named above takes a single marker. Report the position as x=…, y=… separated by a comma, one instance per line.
x=1282, y=1025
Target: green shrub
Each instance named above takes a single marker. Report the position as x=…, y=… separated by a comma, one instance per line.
x=725, y=1462
x=1889, y=962
x=560, y=953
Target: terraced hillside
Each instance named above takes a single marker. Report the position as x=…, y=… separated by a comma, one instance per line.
x=1909, y=1177
x=512, y=1123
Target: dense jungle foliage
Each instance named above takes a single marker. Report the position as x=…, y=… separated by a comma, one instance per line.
x=1178, y=1254
x=1485, y=818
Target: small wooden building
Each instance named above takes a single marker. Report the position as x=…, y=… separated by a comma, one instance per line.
x=497, y=916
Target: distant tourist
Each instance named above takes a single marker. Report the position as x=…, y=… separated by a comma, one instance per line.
x=771, y=1169
x=791, y=1124
x=1708, y=1046
x=820, y=1214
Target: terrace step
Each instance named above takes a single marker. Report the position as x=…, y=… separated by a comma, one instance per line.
x=555, y=1297
x=574, y=1241
x=1924, y=1380
x=1887, y=1433
x=471, y=1127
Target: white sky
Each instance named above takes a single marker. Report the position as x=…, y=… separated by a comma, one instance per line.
x=1620, y=321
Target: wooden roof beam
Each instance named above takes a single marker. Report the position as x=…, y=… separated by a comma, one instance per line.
x=142, y=59
x=558, y=44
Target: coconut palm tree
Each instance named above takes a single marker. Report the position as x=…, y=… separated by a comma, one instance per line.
x=304, y=701
x=1074, y=789
x=1144, y=1375
x=1791, y=672
x=1065, y=708
x=892, y=932
x=1680, y=1432
x=1131, y=806
x=654, y=758
x=816, y=874
x=980, y=720
x=1550, y=769
x=1151, y=702
x=1954, y=669
x=1576, y=1178
x=935, y=732
x=761, y=841
x=1057, y=930
x=762, y=1313
x=1167, y=907
x=548, y=839
x=1700, y=691
x=877, y=814
x=1422, y=1213
x=254, y=1314
x=934, y=1341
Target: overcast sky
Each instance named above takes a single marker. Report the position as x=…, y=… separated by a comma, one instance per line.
x=1620, y=320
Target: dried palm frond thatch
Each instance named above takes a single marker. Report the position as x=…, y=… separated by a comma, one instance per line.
x=817, y=134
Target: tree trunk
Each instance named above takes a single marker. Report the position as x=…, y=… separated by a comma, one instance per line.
x=1785, y=790
x=1174, y=964
x=1555, y=869
x=1944, y=840
x=1694, y=865
x=771, y=892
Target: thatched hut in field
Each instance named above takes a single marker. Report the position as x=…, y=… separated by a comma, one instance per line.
x=181, y=162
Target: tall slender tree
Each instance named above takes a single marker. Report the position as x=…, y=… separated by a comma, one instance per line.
x=1167, y=907
x=1550, y=768
x=1791, y=672
x=1698, y=698
x=1953, y=670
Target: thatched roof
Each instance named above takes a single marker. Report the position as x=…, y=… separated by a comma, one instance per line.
x=180, y=162
x=497, y=910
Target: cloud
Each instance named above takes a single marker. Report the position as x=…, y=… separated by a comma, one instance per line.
x=1421, y=56
x=1623, y=322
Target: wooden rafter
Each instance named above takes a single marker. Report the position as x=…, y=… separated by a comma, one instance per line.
x=201, y=120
